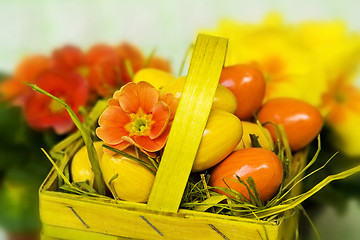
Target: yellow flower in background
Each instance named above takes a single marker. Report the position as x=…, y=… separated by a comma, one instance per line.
x=339, y=53
x=343, y=103
x=313, y=61
x=290, y=66
x=337, y=49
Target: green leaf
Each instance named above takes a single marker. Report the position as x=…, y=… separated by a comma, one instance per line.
x=129, y=68
x=254, y=192
x=148, y=166
x=149, y=58
x=255, y=140
x=210, y=202
x=85, y=133
x=85, y=186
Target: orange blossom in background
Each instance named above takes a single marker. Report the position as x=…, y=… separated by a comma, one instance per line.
x=13, y=89
x=42, y=112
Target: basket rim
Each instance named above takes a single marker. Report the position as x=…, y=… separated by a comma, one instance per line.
x=44, y=192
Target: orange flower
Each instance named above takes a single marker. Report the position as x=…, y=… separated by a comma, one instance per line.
x=159, y=63
x=42, y=112
x=104, y=72
x=139, y=115
x=107, y=68
x=339, y=100
x=68, y=58
x=128, y=52
x=14, y=89
x=341, y=106
x=98, y=51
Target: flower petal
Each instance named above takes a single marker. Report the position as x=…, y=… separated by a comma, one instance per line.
x=30, y=67
x=114, y=116
x=152, y=145
x=171, y=101
x=114, y=101
x=129, y=140
x=161, y=117
x=99, y=51
x=41, y=113
x=160, y=63
x=12, y=88
x=72, y=87
x=112, y=125
x=104, y=75
x=132, y=142
x=111, y=135
x=64, y=126
x=138, y=95
x=121, y=146
x=116, y=95
x=128, y=52
x=68, y=57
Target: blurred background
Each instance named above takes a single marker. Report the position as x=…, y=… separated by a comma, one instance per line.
x=328, y=33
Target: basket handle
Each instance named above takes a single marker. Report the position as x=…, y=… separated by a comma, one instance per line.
x=189, y=123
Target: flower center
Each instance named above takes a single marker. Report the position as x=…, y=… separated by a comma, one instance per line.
x=83, y=71
x=274, y=70
x=56, y=107
x=340, y=97
x=140, y=124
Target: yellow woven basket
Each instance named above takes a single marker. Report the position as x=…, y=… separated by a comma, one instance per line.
x=70, y=216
